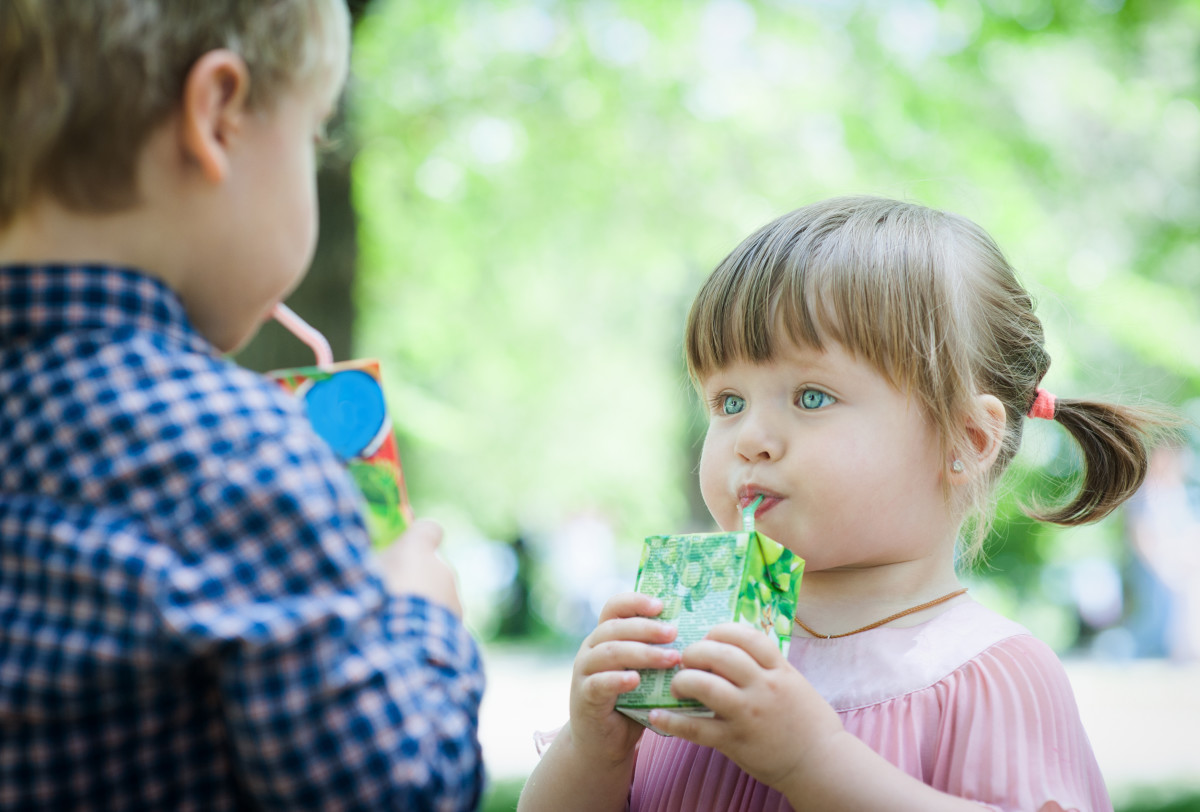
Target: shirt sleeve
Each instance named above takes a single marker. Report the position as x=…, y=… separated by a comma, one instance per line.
x=1013, y=739
x=335, y=693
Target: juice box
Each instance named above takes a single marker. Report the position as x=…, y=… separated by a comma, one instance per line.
x=345, y=403
x=706, y=579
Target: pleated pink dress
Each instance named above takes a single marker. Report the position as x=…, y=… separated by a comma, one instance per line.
x=969, y=703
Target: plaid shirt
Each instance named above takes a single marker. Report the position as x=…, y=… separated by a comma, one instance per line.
x=189, y=615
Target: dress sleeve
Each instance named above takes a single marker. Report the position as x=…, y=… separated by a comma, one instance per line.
x=335, y=693
x=1013, y=739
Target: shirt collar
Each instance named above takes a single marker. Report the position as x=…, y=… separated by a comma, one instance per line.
x=44, y=300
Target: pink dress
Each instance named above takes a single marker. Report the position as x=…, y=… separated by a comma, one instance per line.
x=968, y=702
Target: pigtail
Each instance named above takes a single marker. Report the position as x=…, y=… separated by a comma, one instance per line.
x=1116, y=442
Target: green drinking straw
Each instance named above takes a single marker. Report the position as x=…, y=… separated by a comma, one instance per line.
x=748, y=526
x=748, y=514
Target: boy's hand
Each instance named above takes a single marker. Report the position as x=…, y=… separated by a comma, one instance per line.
x=605, y=667
x=768, y=719
x=411, y=566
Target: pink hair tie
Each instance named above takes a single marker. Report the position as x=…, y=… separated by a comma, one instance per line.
x=1043, y=405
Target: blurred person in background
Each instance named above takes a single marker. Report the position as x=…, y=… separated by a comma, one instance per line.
x=1164, y=529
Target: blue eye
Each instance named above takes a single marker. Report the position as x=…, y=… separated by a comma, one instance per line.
x=732, y=404
x=814, y=399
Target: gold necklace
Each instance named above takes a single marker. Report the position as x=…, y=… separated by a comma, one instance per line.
x=887, y=619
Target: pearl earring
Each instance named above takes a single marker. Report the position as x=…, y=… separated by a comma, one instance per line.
x=957, y=466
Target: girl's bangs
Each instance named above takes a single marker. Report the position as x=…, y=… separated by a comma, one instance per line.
x=812, y=289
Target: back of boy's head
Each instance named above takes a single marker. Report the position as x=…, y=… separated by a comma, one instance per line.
x=83, y=83
x=929, y=300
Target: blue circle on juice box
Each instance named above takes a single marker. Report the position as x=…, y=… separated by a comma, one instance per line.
x=347, y=409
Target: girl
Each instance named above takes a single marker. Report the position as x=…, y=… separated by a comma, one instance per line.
x=867, y=366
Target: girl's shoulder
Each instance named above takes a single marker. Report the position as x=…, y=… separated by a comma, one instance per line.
x=888, y=663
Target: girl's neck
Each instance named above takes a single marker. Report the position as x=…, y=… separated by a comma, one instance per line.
x=836, y=601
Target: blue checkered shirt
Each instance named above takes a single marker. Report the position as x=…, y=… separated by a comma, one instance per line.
x=190, y=617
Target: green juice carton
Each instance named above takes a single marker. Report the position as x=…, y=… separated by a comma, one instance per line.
x=704, y=579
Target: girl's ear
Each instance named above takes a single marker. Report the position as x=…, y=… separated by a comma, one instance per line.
x=212, y=111
x=985, y=433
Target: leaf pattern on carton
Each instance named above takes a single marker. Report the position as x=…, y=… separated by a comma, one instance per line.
x=767, y=599
x=683, y=574
x=381, y=490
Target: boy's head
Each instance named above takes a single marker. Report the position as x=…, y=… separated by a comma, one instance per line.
x=925, y=297
x=85, y=83
x=191, y=110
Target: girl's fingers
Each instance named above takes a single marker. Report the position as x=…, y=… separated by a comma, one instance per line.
x=600, y=689
x=630, y=604
x=727, y=660
x=624, y=655
x=697, y=729
x=715, y=692
x=641, y=629
x=762, y=648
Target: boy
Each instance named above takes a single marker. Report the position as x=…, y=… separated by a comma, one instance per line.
x=189, y=615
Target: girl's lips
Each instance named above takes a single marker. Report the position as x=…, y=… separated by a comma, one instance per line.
x=748, y=495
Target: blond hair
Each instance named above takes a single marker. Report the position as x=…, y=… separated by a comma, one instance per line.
x=84, y=83
x=929, y=300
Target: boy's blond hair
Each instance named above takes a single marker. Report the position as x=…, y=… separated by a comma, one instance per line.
x=83, y=83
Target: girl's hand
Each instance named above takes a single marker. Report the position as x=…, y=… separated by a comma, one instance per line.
x=768, y=719
x=605, y=667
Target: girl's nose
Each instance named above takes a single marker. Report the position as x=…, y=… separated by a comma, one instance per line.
x=758, y=439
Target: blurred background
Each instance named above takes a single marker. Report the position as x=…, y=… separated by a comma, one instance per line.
x=524, y=196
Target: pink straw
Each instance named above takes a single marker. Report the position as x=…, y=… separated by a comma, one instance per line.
x=306, y=333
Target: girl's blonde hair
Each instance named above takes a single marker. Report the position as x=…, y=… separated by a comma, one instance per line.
x=928, y=299
x=85, y=82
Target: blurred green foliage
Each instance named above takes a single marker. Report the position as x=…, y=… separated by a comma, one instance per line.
x=1154, y=802
x=543, y=184
x=501, y=796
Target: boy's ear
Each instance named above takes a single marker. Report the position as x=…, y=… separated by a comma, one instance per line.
x=214, y=106
x=986, y=433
